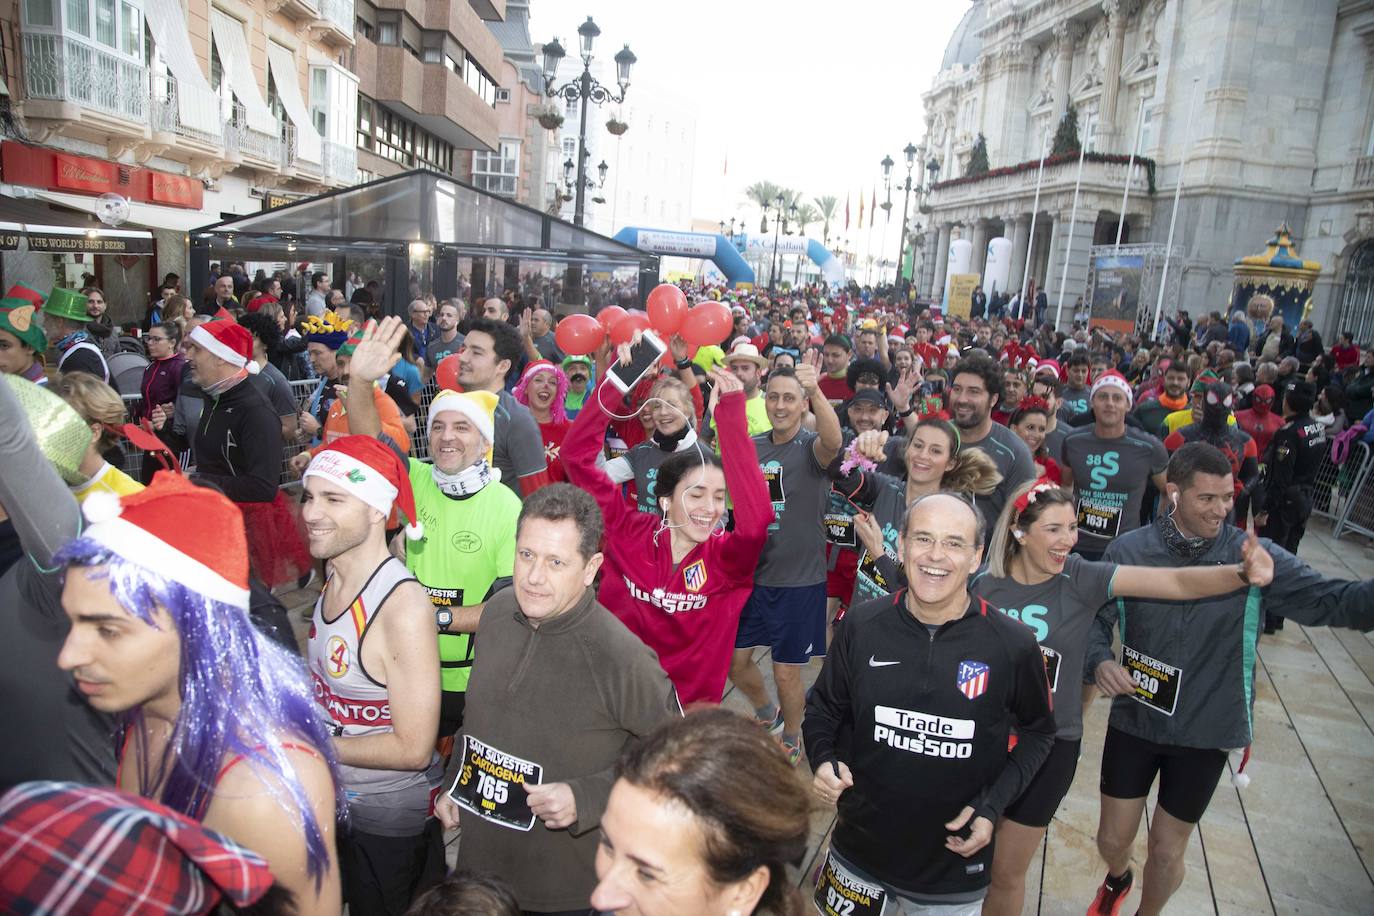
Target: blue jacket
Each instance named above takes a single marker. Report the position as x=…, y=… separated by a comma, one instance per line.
x=1238, y=335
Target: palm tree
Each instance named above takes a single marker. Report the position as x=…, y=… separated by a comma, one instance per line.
x=826, y=205
x=763, y=194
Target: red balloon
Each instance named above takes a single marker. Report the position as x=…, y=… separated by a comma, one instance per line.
x=708, y=323
x=667, y=308
x=609, y=316
x=578, y=335
x=446, y=373
x=624, y=329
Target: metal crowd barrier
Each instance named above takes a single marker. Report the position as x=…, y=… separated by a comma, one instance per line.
x=1355, y=501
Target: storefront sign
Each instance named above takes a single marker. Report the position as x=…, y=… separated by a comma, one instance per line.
x=39, y=167
x=99, y=244
x=9, y=240
x=175, y=190
x=78, y=173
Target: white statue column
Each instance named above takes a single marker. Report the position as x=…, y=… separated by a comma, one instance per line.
x=1020, y=237
x=1064, y=34
x=937, y=283
x=979, y=241
x=1111, y=75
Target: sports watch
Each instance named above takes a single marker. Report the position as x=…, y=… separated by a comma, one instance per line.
x=444, y=618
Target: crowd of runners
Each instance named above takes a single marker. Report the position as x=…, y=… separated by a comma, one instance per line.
x=521, y=643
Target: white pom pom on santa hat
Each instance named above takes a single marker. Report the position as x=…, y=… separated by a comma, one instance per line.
x=415, y=532
x=1240, y=758
x=101, y=506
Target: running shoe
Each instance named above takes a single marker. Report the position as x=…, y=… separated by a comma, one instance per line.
x=793, y=751
x=774, y=727
x=1111, y=894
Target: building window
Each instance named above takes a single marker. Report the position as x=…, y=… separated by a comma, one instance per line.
x=497, y=171
x=569, y=147
x=433, y=43
x=40, y=12
x=478, y=81
x=502, y=95
x=388, y=27
x=78, y=17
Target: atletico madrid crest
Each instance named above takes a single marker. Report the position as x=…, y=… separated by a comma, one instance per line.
x=694, y=576
x=972, y=679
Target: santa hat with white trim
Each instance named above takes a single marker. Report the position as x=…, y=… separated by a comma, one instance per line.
x=227, y=340
x=371, y=471
x=149, y=529
x=1113, y=379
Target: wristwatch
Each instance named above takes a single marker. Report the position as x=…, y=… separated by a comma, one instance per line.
x=444, y=619
x=683, y=364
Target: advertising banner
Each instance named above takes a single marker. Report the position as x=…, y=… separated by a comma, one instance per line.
x=1116, y=291
x=961, y=288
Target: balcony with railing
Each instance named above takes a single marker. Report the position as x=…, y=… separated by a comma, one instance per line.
x=186, y=112
x=291, y=158
x=1014, y=185
x=67, y=79
x=243, y=143
x=1364, y=172
x=340, y=164
x=335, y=25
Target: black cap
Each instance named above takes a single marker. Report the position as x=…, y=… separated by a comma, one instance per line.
x=870, y=396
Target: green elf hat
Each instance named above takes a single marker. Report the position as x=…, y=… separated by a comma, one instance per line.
x=59, y=430
x=68, y=304
x=17, y=316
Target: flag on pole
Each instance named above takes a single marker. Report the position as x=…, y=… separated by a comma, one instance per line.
x=846, y=211
x=873, y=207
x=861, y=208
x=725, y=169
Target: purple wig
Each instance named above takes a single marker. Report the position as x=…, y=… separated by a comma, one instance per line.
x=556, y=412
x=241, y=696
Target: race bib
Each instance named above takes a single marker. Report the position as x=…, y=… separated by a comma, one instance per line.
x=1052, y=659
x=868, y=568
x=839, y=530
x=490, y=784
x=772, y=475
x=840, y=893
x=1156, y=684
x=444, y=597
x=1103, y=521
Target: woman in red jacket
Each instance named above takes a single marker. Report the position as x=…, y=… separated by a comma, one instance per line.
x=679, y=582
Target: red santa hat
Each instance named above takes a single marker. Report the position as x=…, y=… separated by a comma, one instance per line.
x=1113, y=379
x=371, y=471
x=149, y=529
x=227, y=340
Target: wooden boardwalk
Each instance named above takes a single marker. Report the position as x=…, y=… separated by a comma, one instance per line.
x=1298, y=839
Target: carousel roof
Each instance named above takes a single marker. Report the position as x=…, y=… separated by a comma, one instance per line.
x=1280, y=253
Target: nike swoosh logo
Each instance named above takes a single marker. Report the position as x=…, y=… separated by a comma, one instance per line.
x=874, y=663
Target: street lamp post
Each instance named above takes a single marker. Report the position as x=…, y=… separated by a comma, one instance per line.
x=778, y=203
x=909, y=152
x=584, y=89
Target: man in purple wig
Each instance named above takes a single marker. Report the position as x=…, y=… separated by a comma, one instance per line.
x=218, y=723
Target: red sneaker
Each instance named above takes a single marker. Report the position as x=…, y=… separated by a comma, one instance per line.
x=1111, y=894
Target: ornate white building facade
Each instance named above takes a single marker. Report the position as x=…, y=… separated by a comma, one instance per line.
x=1271, y=101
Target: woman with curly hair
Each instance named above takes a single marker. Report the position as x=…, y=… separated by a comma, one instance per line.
x=934, y=462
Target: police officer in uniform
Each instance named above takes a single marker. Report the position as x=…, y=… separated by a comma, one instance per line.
x=1289, y=475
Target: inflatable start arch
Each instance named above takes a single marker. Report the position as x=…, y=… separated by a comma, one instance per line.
x=725, y=253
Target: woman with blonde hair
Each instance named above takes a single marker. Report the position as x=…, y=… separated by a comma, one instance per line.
x=934, y=462
x=104, y=411
x=1032, y=575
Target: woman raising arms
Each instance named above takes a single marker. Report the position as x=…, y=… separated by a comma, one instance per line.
x=679, y=582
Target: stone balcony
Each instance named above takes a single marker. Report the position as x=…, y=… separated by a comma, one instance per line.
x=1364, y=173
x=1011, y=189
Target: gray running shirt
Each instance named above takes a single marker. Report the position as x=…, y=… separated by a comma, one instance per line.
x=1013, y=460
x=1109, y=480
x=1060, y=612
x=799, y=487
x=519, y=448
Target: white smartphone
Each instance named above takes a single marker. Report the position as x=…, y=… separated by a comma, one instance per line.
x=643, y=357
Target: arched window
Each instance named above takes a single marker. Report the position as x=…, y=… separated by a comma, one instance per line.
x=1357, y=295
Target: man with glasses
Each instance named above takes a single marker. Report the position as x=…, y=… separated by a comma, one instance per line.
x=907, y=725
x=420, y=331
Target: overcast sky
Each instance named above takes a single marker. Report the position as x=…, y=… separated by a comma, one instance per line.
x=804, y=93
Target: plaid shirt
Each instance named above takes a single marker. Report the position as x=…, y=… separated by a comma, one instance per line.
x=70, y=848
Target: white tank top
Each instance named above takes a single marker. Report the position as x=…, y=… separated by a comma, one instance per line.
x=353, y=701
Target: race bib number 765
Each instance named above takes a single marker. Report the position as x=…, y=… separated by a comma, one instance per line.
x=491, y=784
